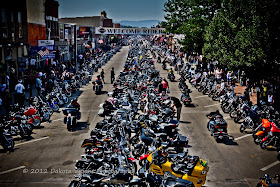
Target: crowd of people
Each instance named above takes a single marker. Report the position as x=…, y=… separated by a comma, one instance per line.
x=36, y=81
x=263, y=91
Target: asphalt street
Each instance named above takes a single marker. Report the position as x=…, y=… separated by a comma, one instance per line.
x=235, y=162
x=48, y=159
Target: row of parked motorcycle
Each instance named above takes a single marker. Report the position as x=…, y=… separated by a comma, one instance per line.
x=262, y=120
x=21, y=120
x=138, y=143
x=72, y=113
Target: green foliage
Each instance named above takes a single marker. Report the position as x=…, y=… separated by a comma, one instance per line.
x=189, y=17
x=243, y=36
x=239, y=34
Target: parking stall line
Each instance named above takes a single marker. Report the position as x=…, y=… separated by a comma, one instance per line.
x=212, y=105
x=10, y=170
x=32, y=141
x=201, y=96
x=241, y=137
x=270, y=165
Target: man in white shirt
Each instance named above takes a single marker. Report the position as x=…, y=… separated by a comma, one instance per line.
x=19, y=96
x=63, y=67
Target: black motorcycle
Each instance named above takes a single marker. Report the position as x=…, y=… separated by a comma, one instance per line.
x=71, y=116
x=171, y=77
x=217, y=126
x=6, y=140
x=186, y=98
x=97, y=87
x=163, y=66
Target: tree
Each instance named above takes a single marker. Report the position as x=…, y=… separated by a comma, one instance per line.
x=243, y=36
x=189, y=17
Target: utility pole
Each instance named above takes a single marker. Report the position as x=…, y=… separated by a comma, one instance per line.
x=75, y=45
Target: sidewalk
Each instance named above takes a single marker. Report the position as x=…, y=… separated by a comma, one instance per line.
x=239, y=90
x=26, y=102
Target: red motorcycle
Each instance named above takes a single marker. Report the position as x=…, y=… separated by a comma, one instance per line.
x=34, y=117
x=273, y=137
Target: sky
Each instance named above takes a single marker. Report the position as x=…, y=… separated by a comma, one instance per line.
x=118, y=10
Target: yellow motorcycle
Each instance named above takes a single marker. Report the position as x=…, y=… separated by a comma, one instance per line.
x=195, y=170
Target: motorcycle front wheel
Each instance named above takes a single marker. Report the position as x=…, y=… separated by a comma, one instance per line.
x=36, y=122
x=242, y=128
x=69, y=126
x=237, y=119
x=46, y=117
x=137, y=152
x=263, y=145
x=55, y=107
x=132, y=166
x=8, y=145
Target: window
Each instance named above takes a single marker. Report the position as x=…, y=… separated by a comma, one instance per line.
x=19, y=25
x=12, y=17
x=55, y=29
x=12, y=26
x=19, y=17
x=4, y=23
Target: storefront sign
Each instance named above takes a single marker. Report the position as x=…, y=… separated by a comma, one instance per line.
x=49, y=56
x=66, y=33
x=130, y=31
x=49, y=47
x=45, y=42
x=60, y=43
x=63, y=48
x=83, y=31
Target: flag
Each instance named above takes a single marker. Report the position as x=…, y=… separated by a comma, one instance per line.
x=43, y=53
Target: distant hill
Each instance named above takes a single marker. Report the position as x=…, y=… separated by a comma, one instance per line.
x=142, y=23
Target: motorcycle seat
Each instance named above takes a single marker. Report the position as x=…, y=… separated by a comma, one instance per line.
x=182, y=168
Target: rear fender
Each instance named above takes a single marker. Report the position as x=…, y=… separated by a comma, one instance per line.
x=131, y=159
x=260, y=133
x=264, y=139
x=144, y=157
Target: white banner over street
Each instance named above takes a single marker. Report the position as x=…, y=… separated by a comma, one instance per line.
x=130, y=31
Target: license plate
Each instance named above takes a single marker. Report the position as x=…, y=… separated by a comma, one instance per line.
x=220, y=129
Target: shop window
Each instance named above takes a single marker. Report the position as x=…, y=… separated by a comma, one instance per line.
x=4, y=23
x=19, y=25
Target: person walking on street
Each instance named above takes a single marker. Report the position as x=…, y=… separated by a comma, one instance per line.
x=229, y=77
x=270, y=99
x=232, y=83
x=7, y=100
x=38, y=85
x=164, y=85
x=178, y=105
x=112, y=75
x=102, y=75
x=19, y=96
x=249, y=87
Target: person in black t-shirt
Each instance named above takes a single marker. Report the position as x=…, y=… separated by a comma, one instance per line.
x=178, y=105
x=112, y=75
